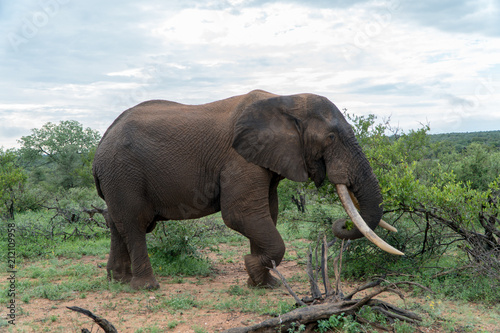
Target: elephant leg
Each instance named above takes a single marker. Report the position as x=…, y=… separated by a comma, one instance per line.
x=129, y=258
x=119, y=265
x=256, y=263
x=142, y=272
x=245, y=207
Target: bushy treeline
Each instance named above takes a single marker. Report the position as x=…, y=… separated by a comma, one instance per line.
x=442, y=199
x=459, y=141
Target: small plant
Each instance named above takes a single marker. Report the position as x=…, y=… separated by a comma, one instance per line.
x=297, y=328
x=434, y=307
x=236, y=290
x=53, y=318
x=181, y=302
x=339, y=323
x=403, y=327
x=153, y=329
x=198, y=329
x=173, y=324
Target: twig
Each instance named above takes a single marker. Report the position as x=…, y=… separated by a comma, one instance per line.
x=363, y=287
x=451, y=271
x=294, y=295
x=324, y=267
x=337, y=268
x=412, y=284
x=315, y=292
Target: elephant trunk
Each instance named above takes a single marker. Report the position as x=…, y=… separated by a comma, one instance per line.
x=363, y=194
x=364, y=187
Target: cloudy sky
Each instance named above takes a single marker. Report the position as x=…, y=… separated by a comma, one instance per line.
x=418, y=62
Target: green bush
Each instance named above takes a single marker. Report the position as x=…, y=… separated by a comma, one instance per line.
x=174, y=248
x=465, y=285
x=44, y=231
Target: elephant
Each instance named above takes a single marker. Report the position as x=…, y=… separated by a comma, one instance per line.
x=162, y=160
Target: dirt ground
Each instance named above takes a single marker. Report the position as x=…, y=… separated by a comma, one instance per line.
x=131, y=311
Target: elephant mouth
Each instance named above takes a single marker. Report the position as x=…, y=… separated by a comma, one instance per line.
x=350, y=205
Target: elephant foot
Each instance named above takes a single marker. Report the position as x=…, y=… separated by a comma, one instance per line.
x=120, y=277
x=270, y=283
x=259, y=275
x=144, y=283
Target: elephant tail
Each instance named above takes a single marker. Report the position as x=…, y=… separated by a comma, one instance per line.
x=98, y=185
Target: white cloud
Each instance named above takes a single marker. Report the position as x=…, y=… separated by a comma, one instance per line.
x=133, y=72
x=383, y=57
x=277, y=25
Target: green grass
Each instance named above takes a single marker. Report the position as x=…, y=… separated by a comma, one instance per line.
x=236, y=290
x=253, y=302
x=181, y=302
x=199, y=329
x=173, y=324
x=174, y=303
x=58, y=279
x=180, y=266
x=150, y=329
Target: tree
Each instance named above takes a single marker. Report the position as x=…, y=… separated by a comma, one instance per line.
x=12, y=178
x=65, y=150
x=477, y=164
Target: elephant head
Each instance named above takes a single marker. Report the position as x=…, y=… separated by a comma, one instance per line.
x=306, y=136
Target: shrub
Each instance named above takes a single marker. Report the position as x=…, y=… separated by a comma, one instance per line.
x=174, y=247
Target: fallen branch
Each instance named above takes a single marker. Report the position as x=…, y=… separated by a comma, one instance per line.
x=304, y=315
x=394, y=312
x=103, y=323
x=317, y=307
x=368, y=285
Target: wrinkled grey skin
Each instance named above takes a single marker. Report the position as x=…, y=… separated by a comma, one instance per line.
x=162, y=160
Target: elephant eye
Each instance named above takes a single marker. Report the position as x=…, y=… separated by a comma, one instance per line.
x=331, y=137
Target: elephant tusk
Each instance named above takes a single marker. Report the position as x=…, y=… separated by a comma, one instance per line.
x=387, y=226
x=382, y=223
x=351, y=210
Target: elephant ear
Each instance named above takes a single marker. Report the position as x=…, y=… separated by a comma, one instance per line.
x=267, y=134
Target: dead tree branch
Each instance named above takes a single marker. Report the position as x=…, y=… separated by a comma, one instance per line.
x=103, y=323
x=333, y=302
x=315, y=292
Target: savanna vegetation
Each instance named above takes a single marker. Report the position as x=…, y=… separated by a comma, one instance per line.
x=440, y=191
